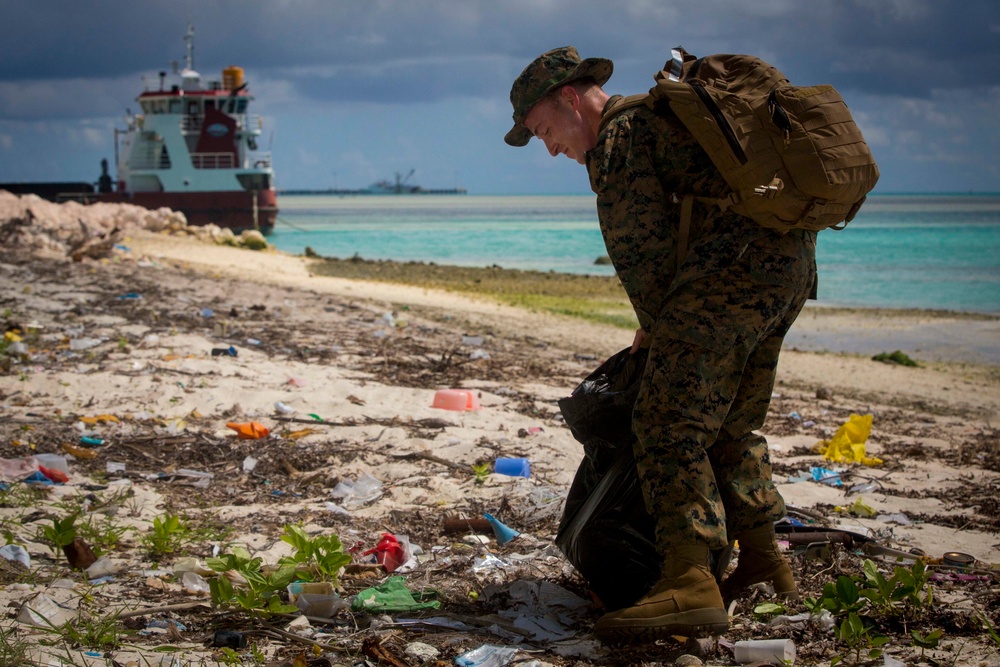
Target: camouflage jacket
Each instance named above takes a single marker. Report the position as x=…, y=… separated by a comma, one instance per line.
x=643, y=164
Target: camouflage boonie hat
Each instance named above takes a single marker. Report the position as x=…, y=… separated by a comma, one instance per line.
x=546, y=72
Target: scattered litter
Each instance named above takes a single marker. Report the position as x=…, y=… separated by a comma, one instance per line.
x=487, y=655
x=513, y=467
x=249, y=463
x=848, y=443
x=459, y=400
x=958, y=559
x=503, y=533
x=78, y=344
x=229, y=639
x=16, y=553
x=103, y=567
x=394, y=596
x=858, y=508
x=390, y=552
x=249, y=430
x=826, y=476
x=359, y=493
x=769, y=651
x=44, y=611
x=863, y=487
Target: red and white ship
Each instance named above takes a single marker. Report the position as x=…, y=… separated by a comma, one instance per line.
x=194, y=149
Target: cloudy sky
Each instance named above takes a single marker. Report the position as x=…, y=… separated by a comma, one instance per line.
x=355, y=91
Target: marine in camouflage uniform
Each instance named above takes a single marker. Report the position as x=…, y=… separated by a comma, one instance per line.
x=715, y=327
x=713, y=316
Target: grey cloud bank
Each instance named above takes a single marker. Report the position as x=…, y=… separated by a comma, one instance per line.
x=354, y=91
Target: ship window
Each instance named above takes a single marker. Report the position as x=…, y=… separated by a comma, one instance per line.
x=255, y=181
x=192, y=107
x=164, y=162
x=145, y=106
x=241, y=106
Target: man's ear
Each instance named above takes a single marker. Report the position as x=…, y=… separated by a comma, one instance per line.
x=569, y=95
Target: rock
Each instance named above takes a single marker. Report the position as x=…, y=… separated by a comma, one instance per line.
x=253, y=240
x=824, y=393
x=420, y=652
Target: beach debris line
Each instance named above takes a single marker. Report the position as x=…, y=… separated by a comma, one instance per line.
x=154, y=412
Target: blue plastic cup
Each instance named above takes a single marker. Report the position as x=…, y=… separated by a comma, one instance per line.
x=512, y=467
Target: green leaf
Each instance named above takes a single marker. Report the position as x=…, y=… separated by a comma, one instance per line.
x=847, y=590
x=768, y=608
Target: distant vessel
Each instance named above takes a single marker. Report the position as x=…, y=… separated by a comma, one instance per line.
x=192, y=149
x=401, y=187
x=384, y=187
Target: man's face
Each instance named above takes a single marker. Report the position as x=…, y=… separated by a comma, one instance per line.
x=558, y=124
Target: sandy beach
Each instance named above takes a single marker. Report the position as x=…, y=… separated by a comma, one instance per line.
x=152, y=349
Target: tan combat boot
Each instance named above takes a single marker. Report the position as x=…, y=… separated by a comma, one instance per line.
x=760, y=560
x=685, y=601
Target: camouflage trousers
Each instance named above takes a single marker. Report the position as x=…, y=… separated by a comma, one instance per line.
x=713, y=353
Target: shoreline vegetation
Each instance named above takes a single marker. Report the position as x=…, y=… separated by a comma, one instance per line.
x=599, y=299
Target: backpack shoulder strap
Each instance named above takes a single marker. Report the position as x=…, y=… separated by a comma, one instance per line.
x=618, y=105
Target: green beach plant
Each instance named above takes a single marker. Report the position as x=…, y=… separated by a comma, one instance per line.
x=168, y=534
x=60, y=534
x=260, y=595
x=316, y=558
x=860, y=636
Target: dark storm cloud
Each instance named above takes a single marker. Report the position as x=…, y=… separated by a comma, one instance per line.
x=420, y=50
x=922, y=76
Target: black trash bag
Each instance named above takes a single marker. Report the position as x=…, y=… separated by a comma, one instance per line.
x=606, y=531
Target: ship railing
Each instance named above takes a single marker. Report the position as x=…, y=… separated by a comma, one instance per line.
x=258, y=161
x=191, y=124
x=213, y=160
x=250, y=123
x=151, y=158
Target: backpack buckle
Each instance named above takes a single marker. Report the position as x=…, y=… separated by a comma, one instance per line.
x=771, y=190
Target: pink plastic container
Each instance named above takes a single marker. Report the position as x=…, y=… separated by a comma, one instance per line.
x=456, y=399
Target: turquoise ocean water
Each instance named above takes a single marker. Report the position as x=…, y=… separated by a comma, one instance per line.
x=939, y=252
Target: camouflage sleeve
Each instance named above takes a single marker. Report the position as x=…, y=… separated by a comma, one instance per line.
x=635, y=213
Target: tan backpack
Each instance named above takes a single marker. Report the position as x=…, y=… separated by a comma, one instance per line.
x=793, y=156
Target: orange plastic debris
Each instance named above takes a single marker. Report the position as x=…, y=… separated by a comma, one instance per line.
x=79, y=452
x=249, y=430
x=100, y=419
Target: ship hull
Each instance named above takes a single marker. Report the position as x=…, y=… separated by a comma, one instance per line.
x=235, y=210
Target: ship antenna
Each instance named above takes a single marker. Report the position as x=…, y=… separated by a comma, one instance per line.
x=189, y=47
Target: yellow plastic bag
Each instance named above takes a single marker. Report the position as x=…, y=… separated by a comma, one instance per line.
x=848, y=444
x=858, y=508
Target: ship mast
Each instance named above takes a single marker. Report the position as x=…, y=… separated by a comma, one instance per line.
x=189, y=47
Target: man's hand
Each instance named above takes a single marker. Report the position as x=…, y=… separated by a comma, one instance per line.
x=640, y=338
